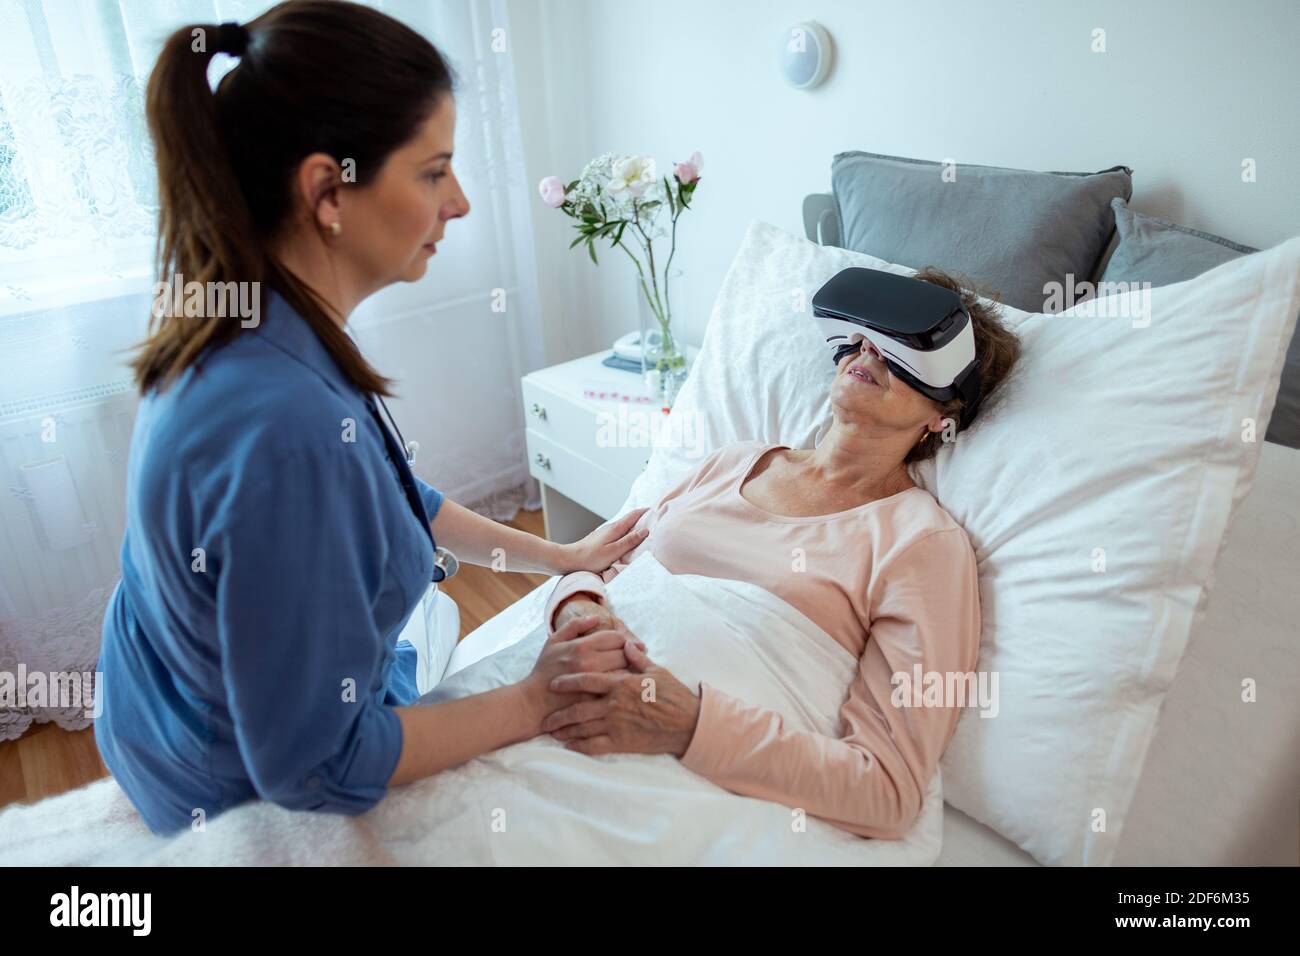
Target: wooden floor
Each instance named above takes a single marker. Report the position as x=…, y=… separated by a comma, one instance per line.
x=49, y=760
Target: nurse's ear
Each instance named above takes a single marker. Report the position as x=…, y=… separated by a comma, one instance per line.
x=316, y=187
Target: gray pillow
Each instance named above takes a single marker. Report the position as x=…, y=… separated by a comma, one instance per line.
x=1011, y=231
x=1162, y=253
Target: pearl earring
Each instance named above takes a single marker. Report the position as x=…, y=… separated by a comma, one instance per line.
x=335, y=228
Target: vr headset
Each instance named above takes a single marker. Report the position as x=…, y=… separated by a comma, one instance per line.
x=923, y=331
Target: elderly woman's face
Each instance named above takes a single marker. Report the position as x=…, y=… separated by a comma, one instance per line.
x=866, y=392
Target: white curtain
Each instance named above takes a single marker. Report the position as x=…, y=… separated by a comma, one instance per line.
x=77, y=217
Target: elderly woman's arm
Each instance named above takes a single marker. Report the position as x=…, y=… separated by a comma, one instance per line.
x=872, y=778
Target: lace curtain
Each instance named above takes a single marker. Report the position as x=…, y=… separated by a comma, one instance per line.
x=77, y=218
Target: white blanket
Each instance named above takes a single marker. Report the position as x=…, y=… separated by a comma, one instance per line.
x=536, y=802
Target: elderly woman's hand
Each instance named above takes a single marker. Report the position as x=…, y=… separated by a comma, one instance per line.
x=583, y=604
x=645, y=710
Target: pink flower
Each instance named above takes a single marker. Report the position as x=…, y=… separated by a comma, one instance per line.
x=552, y=191
x=689, y=171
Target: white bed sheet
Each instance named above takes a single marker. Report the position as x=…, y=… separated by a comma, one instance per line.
x=1221, y=779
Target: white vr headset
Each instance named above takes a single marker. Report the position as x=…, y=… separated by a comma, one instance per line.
x=923, y=331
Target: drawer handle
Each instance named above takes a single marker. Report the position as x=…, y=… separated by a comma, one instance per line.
x=543, y=461
x=538, y=410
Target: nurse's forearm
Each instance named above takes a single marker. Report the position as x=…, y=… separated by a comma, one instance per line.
x=438, y=736
x=479, y=540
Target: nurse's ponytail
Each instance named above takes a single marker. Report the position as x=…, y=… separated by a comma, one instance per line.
x=306, y=82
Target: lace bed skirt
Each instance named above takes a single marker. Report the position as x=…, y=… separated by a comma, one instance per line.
x=63, y=642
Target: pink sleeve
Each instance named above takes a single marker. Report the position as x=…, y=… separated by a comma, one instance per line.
x=872, y=778
x=575, y=582
x=588, y=582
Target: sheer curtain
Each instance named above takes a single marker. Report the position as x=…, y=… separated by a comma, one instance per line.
x=77, y=218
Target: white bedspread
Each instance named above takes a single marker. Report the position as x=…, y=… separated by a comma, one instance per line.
x=536, y=802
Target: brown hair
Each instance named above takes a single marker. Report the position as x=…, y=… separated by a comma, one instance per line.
x=307, y=81
x=997, y=348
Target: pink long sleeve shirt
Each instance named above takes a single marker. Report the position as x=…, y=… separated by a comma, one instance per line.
x=893, y=581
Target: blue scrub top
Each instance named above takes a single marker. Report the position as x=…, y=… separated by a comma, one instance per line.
x=276, y=544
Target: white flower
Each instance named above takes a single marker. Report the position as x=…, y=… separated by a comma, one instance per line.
x=635, y=192
x=631, y=176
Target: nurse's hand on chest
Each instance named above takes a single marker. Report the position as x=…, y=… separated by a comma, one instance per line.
x=612, y=543
x=479, y=540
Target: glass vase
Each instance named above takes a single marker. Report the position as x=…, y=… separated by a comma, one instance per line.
x=663, y=358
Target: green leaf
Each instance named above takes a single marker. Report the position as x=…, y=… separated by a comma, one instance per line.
x=591, y=250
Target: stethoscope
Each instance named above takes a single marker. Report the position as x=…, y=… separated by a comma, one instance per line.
x=445, y=564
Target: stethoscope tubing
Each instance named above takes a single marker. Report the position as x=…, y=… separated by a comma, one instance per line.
x=443, y=559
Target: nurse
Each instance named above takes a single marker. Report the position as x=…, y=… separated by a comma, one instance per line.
x=277, y=540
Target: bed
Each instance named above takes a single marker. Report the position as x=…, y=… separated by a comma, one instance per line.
x=1197, y=744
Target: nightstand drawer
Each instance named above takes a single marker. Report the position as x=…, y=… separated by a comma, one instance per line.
x=616, y=436
x=575, y=477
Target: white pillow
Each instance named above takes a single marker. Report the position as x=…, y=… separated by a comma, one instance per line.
x=1106, y=436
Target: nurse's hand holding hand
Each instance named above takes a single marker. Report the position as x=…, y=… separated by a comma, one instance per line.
x=590, y=643
x=641, y=710
x=451, y=732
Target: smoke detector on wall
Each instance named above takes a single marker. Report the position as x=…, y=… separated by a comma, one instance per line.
x=806, y=55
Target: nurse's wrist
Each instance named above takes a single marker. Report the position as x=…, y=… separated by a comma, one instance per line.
x=564, y=558
x=531, y=706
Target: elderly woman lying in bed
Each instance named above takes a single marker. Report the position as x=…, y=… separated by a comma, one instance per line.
x=844, y=535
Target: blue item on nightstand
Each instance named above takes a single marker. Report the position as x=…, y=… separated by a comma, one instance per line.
x=626, y=365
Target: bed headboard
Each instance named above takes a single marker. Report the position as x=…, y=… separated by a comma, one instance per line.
x=821, y=218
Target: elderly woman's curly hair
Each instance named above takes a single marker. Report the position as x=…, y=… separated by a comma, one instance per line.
x=997, y=348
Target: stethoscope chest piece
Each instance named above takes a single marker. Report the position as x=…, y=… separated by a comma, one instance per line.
x=444, y=563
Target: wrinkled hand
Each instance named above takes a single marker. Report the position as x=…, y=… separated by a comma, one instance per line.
x=643, y=709
x=610, y=542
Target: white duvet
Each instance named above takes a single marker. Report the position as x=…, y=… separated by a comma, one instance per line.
x=536, y=802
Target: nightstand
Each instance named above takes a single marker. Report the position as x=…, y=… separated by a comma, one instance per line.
x=586, y=451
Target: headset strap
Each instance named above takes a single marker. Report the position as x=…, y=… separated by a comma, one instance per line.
x=968, y=384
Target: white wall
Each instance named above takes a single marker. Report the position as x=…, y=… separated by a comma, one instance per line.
x=1185, y=91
